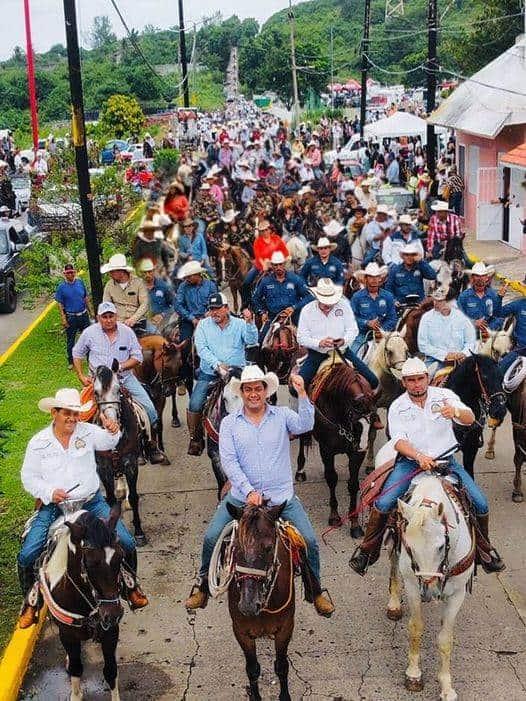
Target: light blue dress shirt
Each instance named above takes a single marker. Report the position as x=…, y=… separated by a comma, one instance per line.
x=215, y=345
x=439, y=335
x=258, y=457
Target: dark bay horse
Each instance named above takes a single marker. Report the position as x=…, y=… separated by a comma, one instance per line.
x=185, y=381
x=279, y=349
x=517, y=407
x=261, y=597
x=409, y=322
x=235, y=264
x=123, y=460
x=82, y=578
x=342, y=403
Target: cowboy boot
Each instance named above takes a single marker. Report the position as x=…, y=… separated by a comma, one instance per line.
x=314, y=592
x=30, y=608
x=195, y=429
x=198, y=598
x=369, y=551
x=488, y=558
x=133, y=593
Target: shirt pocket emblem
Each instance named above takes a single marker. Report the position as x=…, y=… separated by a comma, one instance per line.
x=290, y=285
x=79, y=444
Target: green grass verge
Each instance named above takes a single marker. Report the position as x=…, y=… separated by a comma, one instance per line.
x=36, y=369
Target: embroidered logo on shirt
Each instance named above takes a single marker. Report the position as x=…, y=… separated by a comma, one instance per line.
x=79, y=444
x=436, y=407
x=290, y=285
x=338, y=312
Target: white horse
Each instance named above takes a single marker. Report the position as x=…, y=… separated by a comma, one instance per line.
x=298, y=253
x=497, y=344
x=435, y=561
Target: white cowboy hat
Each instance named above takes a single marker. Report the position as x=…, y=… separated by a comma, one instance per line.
x=481, y=268
x=304, y=190
x=146, y=265
x=66, y=398
x=193, y=267
x=440, y=206
x=326, y=291
x=253, y=373
x=333, y=228
x=229, y=216
x=116, y=262
x=249, y=178
x=410, y=249
x=366, y=182
x=205, y=186
x=348, y=186
x=323, y=242
x=382, y=209
x=374, y=270
x=405, y=219
x=277, y=258
x=414, y=366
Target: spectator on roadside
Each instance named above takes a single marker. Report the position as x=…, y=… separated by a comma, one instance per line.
x=74, y=306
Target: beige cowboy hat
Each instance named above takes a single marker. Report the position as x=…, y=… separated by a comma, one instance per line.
x=229, y=216
x=304, y=190
x=66, y=398
x=382, y=209
x=263, y=225
x=326, y=291
x=150, y=224
x=481, y=268
x=414, y=366
x=116, y=262
x=440, y=206
x=375, y=270
x=333, y=228
x=253, y=373
x=366, y=182
x=411, y=249
x=193, y=267
x=405, y=219
x=146, y=265
x=205, y=186
x=323, y=242
x=439, y=295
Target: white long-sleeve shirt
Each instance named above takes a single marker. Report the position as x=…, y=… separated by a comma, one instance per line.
x=439, y=335
x=314, y=325
x=48, y=465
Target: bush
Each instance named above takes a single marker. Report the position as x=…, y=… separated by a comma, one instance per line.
x=166, y=162
x=122, y=116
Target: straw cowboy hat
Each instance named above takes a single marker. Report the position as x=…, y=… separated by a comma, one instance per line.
x=253, y=373
x=263, y=225
x=333, y=228
x=323, y=242
x=405, y=219
x=229, y=216
x=277, y=258
x=440, y=206
x=205, y=186
x=382, y=209
x=410, y=249
x=66, y=398
x=414, y=366
x=375, y=270
x=149, y=225
x=304, y=190
x=481, y=268
x=326, y=291
x=146, y=265
x=116, y=262
x=193, y=267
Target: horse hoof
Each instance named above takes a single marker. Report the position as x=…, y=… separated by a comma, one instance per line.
x=301, y=477
x=335, y=520
x=166, y=461
x=517, y=497
x=394, y=614
x=490, y=455
x=412, y=684
x=176, y=423
x=357, y=532
x=140, y=540
x=141, y=461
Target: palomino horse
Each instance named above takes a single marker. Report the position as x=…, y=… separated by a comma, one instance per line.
x=160, y=372
x=81, y=584
x=298, y=253
x=261, y=597
x=235, y=264
x=435, y=558
x=342, y=400
x=385, y=358
x=123, y=460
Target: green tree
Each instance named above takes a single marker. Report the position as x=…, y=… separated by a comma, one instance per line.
x=122, y=116
x=101, y=33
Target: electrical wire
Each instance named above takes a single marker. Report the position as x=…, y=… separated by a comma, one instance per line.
x=388, y=72
x=441, y=69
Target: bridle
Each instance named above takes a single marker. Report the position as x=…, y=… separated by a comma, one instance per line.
x=166, y=384
x=268, y=575
x=486, y=397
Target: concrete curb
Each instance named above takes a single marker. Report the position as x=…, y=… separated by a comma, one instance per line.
x=27, y=332
x=17, y=656
x=515, y=285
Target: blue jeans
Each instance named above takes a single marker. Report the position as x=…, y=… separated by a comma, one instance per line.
x=314, y=359
x=76, y=324
x=200, y=390
x=404, y=466
x=359, y=342
x=139, y=393
x=35, y=541
x=293, y=512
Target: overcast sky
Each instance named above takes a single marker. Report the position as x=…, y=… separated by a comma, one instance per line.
x=47, y=17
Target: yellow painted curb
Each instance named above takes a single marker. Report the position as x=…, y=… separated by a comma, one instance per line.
x=17, y=655
x=12, y=348
x=516, y=285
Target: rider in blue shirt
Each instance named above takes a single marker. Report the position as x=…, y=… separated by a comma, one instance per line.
x=160, y=295
x=516, y=309
x=407, y=278
x=481, y=302
x=373, y=308
x=191, y=301
x=323, y=264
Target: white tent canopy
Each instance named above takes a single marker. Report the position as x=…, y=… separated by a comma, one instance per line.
x=398, y=124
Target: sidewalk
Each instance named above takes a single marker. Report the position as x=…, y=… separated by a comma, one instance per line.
x=509, y=262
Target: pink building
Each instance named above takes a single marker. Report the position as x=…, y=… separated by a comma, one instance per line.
x=488, y=114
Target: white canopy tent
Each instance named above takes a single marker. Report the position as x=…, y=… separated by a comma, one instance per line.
x=398, y=124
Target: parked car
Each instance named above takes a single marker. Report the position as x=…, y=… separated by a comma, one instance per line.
x=107, y=155
x=12, y=243
x=395, y=198
x=21, y=183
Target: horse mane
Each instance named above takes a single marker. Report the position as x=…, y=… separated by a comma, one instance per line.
x=105, y=375
x=340, y=379
x=57, y=565
x=153, y=342
x=97, y=535
x=249, y=525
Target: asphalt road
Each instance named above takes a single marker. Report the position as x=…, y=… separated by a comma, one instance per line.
x=12, y=325
x=167, y=654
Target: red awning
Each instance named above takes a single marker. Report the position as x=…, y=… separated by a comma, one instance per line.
x=516, y=157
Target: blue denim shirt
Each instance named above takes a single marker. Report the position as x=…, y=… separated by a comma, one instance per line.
x=191, y=301
x=487, y=307
x=216, y=345
x=273, y=296
x=366, y=308
x=161, y=297
x=314, y=269
x=402, y=282
x=517, y=309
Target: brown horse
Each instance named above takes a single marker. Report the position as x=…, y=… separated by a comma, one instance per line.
x=261, y=597
x=160, y=372
x=235, y=264
x=410, y=321
x=517, y=408
x=342, y=399
x=279, y=349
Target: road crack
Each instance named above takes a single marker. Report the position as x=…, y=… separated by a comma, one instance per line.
x=308, y=687
x=522, y=685
x=363, y=675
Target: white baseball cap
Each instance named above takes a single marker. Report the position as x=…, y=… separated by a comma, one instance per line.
x=106, y=308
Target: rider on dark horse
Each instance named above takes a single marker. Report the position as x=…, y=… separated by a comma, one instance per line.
x=420, y=426
x=59, y=464
x=255, y=455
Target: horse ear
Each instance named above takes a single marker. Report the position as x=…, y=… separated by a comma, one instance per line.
x=275, y=511
x=440, y=509
x=115, y=365
x=405, y=509
x=235, y=511
x=76, y=532
x=403, y=332
x=115, y=515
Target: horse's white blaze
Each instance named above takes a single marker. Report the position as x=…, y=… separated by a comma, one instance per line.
x=76, y=690
x=108, y=554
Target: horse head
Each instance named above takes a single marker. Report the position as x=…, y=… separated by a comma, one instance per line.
x=94, y=541
x=497, y=344
x=107, y=390
x=393, y=350
x=479, y=379
x=257, y=542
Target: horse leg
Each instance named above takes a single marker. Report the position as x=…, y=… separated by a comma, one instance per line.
x=160, y=408
x=469, y=451
x=253, y=670
x=517, y=495
x=175, y=416
x=490, y=450
x=445, y=644
x=331, y=477
x=73, y=664
x=132, y=474
x=212, y=450
x=369, y=456
x=300, y=467
x=394, y=605
x=415, y=627
x=109, y=645
x=281, y=665
x=355, y=460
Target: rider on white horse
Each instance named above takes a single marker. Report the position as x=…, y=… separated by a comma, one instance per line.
x=420, y=425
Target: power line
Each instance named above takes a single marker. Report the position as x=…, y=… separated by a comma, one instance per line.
x=478, y=82
x=385, y=70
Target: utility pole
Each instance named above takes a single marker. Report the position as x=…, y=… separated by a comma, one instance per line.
x=295, y=95
x=30, y=57
x=182, y=51
x=332, y=66
x=432, y=68
x=78, y=134
x=365, y=64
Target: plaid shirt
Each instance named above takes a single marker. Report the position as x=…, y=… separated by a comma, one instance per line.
x=441, y=231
